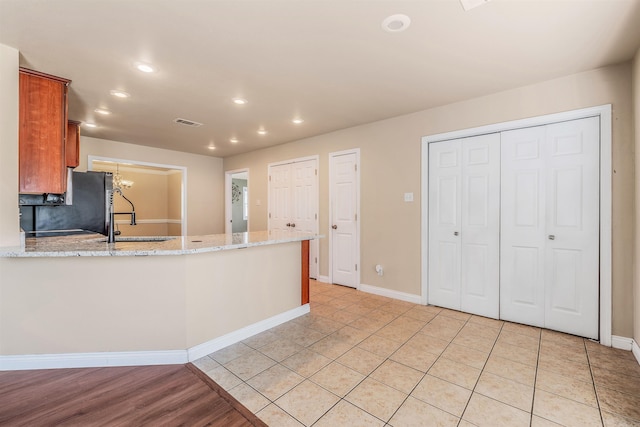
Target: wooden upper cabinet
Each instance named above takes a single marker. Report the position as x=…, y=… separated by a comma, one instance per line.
x=73, y=144
x=42, y=133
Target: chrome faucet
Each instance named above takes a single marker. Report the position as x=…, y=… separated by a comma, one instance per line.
x=112, y=233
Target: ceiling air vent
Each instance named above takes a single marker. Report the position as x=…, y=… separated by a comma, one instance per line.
x=187, y=122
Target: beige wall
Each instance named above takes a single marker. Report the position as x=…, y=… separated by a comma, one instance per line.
x=390, y=166
x=9, y=219
x=115, y=304
x=205, y=178
x=636, y=257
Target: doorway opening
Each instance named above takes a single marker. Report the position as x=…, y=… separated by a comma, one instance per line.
x=157, y=191
x=237, y=201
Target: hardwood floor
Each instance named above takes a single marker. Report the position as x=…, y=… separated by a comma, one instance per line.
x=170, y=395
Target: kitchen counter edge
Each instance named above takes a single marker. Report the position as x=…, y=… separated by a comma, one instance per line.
x=94, y=245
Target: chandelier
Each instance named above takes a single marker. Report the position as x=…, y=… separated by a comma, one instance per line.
x=119, y=182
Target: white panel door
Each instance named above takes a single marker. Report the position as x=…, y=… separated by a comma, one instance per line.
x=464, y=224
x=304, y=206
x=279, y=197
x=522, y=238
x=550, y=226
x=444, y=223
x=480, y=225
x=344, y=239
x=572, y=219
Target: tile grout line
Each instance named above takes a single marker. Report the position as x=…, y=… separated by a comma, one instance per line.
x=535, y=377
x=593, y=380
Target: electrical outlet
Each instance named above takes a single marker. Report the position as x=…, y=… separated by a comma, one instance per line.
x=408, y=197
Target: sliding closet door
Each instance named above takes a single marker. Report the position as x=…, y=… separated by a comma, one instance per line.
x=550, y=226
x=480, y=220
x=464, y=222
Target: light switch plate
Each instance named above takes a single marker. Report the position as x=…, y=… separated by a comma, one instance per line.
x=408, y=197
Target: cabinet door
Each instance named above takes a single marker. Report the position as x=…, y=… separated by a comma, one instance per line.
x=42, y=133
x=72, y=147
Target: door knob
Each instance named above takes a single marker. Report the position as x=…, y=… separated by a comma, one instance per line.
x=293, y=224
x=552, y=237
x=335, y=227
x=455, y=233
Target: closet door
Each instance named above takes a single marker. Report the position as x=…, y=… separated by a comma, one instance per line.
x=480, y=225
x=293, y=202
x=550, y=226
x=279, y=197
x=522, y=238
x=572, y=218
x=304, y=215
x=464, y=222
x=445, y=165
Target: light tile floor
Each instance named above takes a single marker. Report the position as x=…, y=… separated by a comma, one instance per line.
x=365, y=360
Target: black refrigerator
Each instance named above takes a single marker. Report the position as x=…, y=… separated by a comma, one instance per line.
x=86, y=209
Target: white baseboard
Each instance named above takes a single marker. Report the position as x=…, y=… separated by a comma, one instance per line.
x=216, y=344
x=92, y=360
x=403, y=296
x=635, y=349
x=144, y=358
x=323, y=279
x=623, y=343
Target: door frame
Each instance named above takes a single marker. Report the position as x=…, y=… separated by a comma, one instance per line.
x=228, y=205
x=603, y=112
x=355, y=151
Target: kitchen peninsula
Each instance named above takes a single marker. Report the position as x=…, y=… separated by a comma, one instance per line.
x=80, y=301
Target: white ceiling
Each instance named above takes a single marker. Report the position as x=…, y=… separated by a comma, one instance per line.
x=327, y=61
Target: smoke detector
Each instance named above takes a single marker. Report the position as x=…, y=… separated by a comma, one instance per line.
x=396, y=23
x=187, y=122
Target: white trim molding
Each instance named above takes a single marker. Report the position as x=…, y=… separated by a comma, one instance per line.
x=323, y=279
x=92, y=360
x=144, y=358
x=604, y=113
x=389, y=293
x=635, y=349
x=216, y=344
x=622, y=343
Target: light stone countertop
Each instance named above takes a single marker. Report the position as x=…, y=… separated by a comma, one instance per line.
x=95, y=244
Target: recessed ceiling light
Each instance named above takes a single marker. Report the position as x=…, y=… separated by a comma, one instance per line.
x=396, y=23
x=211, y=147
x=119, y=93
x=90, y=125
x=102, y=111
x=297, y=121
x=262, y=132
x=234, y=140
x=239, y=101
x=145, y=68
